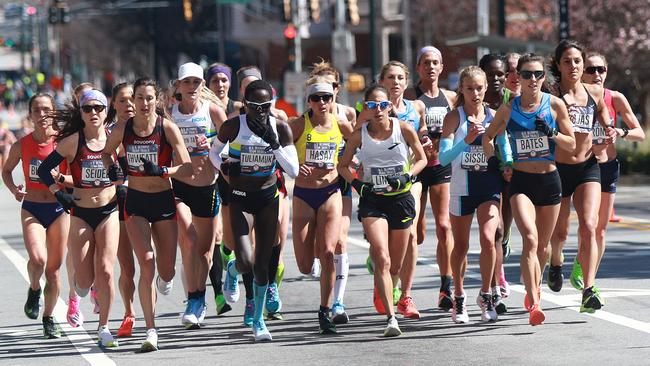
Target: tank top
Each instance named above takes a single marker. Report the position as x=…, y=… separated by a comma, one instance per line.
x=383, y=159
x=87, y=168
x=319, y=149
x=410, y=115
x=340, y=113
x=254, y=155
x=434, y=112
x=469, y=170
x=599, y=132
x=32, y=155
x=153, y=147
x=528, y=144
x=191, y=125
x=582, y=117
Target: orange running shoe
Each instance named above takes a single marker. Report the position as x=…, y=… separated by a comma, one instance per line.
x=126, y=328
x=537, y=316
x=527, y=302
x=379, y=306
x=406, y=307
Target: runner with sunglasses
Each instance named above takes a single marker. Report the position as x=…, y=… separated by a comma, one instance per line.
x=44, y=223
x=435, y=177
x=317, y=194
x=94, y=223
x=257, y=144
x=149, y=140
x=475, y=187
x=384, y=146
x=596, y=73
x=394, y=77
x=579, y=170
x=341, y=262
x=536, y=124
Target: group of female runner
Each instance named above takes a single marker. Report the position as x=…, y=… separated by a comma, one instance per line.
x=137, y=176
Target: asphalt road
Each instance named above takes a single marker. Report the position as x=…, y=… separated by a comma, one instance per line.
x=619, y=333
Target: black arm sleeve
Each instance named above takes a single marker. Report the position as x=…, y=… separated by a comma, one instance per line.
x=52, y=161
x=123, y=164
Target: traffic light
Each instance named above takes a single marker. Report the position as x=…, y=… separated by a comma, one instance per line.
x=187, y=10
x=53, y=15
x=353, y=12
x=65, y=14
x=290, y=33
x=30, y=10
x=314, y=10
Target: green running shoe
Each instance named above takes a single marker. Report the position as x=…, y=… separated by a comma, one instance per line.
x=576, y=278
x=225, y=258
x=222, y=305
x=598, y=295
x=279, y=275
x=397, y=294
x=32, y=305
x=370, y=266
x=591, y=301
x=51, y=329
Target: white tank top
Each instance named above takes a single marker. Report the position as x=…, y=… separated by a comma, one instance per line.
x=191, y=125
x=254, y=155
x=382, y=159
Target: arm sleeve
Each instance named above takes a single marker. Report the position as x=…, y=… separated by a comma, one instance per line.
x=52, y=161
x=287, y=156
x=123, y=164
x=504, y=148
x=449, y=152
x=215, y=153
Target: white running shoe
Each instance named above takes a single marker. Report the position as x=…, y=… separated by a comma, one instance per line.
x=315, y=269
x=459, y=311
x=230, y=285
x=105, y=338
x=189, y=319
x=200, y=310
x=165, y=288
x=392, y=328
x=261, y=332
x=488, y=312
x=151, y=343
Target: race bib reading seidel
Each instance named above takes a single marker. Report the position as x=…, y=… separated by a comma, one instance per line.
x=93, y=174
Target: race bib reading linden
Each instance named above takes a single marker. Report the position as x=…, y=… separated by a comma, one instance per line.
x=320, y=154
x=256, y=159
x=474, y=159
x=135, y=152
x=379, y=177
x=93, y=174
x=531, y=144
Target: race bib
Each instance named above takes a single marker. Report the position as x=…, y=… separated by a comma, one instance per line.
x=379, y=177
x=93, y=174
x=320, y=154
x=434, y=117
x=582, y=118
x=256, y=159
x=473, y=159
x=599, y=135
x=135, y=152
x=33, y=170
x=189, y=137
x=530, y=144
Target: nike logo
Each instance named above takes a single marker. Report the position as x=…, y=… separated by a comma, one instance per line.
x=394, y=145
x=165, y=215
x=332, y=138
x=59, y=209
x=447, y=176
x=407, y=219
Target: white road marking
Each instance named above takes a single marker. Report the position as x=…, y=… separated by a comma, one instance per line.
x=85, y=344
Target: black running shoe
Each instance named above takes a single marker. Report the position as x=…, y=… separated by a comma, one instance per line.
x=51, y=330
x=555, y=278
x=32, y=305
x=445, y=301
x=325, y=324
x=591, y=301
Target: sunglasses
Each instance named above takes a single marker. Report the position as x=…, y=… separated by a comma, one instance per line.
x=381, y=105
x=594, y=69
x=317, y=98
x=526, y=74
x=98, y=108
x=260, y=107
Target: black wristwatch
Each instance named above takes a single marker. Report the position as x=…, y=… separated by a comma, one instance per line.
x=626, y=131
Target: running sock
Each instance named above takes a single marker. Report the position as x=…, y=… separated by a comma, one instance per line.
x=502, y=275
x=216, y=272
x=324, y=309
x=195, y=295
x=248, y=284
x=280, y=275
x=274, y=261
x=260, y=300
x=82, y=292
x=342, y=266
x=234, y=272
x=445, y=284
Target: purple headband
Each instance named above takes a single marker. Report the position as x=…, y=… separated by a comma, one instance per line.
x=218, y=69
x=93, y=94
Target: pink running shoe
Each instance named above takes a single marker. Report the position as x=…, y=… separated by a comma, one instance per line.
x=74, y=316
x=93, y=299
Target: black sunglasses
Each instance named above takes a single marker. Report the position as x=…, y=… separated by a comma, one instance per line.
x=98, y=108
x=260, y=107
x=317, y=98
x=526, y=74
x=594, y=69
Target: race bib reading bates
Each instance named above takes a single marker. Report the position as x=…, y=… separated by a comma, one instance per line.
x=379, y=175
x=189, y=136
x=320, y=154
x=582, y=118
x=599, y=135
x=33, y=170
x=135, y=152
x=433, y=117
x=474, y=159
x=530, y=144
x=256, y=159
x=93, y=174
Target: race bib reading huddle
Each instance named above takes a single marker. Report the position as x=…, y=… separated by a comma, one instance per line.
x=530, y=144
x=379, y=177
x=474, y=159
x=320, y=154
x=256, y=159
x=135, y=152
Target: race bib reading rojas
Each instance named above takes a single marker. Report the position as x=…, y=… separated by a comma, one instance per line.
x=531, y=144
x=474, y=159
x=256, y=159
x=582, y=118
x=434, y=117
x=93, y=174
x=189, y=137
x=379, y=177
x=320, y=154
x=135, y=152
